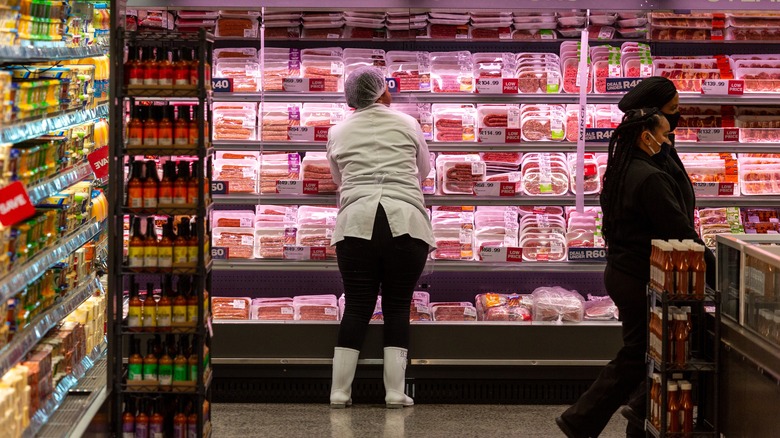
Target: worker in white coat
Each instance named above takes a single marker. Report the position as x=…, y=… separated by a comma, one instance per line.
x=378, y=157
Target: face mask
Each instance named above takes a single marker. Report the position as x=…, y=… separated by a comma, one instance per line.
x=673, y=119
x=663, y=149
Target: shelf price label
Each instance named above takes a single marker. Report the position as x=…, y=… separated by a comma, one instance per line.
x=713, y=189
x=392, y=85
x=598, y=135
x=622, y=85
x=222, y=85
x=98, y=160
x=297, y=252
x=718, y=134
x=587, y=254
x=289, y=186
x=497, y=86
x=501, y=254
x=499, y=135
x=298, y=85
x=15, y=204
x=308, y=133
x=495, y=188
x=220, y=253
x=220, y=187
x=723, y=87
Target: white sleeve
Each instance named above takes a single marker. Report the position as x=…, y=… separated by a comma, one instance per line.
x=423, y=156
x=334, y=167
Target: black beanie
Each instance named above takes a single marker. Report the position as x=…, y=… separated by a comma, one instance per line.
x=653, y=92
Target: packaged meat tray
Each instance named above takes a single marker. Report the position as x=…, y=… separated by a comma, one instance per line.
x=411, y=69
x=760, y=80
x=245, y=74
x=557, y=304
x=543, y=34
x=454, y=240
x=232, y=219
x=322, y=216
x=493, y=65
x=543, y=247
x=277, y=118
x=759, y=129
x=759, y=176
x=270, y=239
x=243, y=53
x=240, y=242
x=752, y=34
x=316, y=308
x=543, y=122
x=449, y=31
x=316, y=236
x=453, y=311
x=273, y=309
x=429, y=182
x=421, y=112
x=454, y=122
x=680, y=34
x=419, y=312
x=592, y=177
x=322, y=114
x=235, y=124
x=503, y=307
x=230, y=308
x=498, y=116
x=452, y=72
x=571, y=81
x=276, y=167
x=282, y=32
x=692, y=20
x=241, y=175
x=237, y=27
x=544, y=175
x=600, y=309
x=490, y=31
x=286, y=214
x=315, y=167
x=458, y=173
x=331, y=69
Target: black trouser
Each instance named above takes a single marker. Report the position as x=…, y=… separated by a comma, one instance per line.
x=625, y=375
x=395, y=264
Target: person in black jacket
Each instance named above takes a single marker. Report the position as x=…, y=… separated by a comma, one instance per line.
x=646, y=196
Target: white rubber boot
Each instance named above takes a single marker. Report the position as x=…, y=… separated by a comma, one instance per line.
x=395, y=378
x=344, y=364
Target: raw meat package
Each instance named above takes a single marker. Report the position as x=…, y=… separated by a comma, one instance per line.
x=503, y=307
x=321, y=216
x=454, y=122
x=452, y=72
x=273, y=309
x=316, y=308
x=243, y=53
x=322, y=114
x=453, y=311
x=538, y=73
x=454, y=239
x=543, y=122
x=557, y=304
x=315, y=167
x=271, y=237
x=232, y=219
x=234, y=121
x=498, y=116
x=245, y=74
x=230, y=308
x=759, y=175
x=458, y=173
x=411, y=69
x=241, y=175
x=534, y=34
x=491, y=31
x=278, y=65
x=277, y=118
x=592, y=177
x=449, y=30
x=600, y=309
x=760, y=80
x=538, y=247
x=571, y=77
x=420, y=310
x=316, y=236
x=276, y=167
x=240, y=242
x=762, y=129
x=237, y=27
x=328, y=68
x=429, y=182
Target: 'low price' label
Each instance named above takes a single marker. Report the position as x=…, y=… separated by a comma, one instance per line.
x=487, y=188
x=718, y=134
x=501, y=254
x=499, y=135
x=714, y=189
x=497, y=86
x=723, y=87
x=296, y=252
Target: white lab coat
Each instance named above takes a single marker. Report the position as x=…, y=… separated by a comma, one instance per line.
x=378, y=155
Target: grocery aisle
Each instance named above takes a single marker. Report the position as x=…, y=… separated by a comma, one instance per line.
x=429, y=421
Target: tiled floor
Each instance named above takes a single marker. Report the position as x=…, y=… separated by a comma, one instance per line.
x=428, y=421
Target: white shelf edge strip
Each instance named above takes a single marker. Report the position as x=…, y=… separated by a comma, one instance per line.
x=34, y=268
x=36, y=128
x=43, y=190
x=24, y=341
x=61, y=391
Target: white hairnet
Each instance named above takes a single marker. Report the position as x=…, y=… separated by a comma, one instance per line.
x=364, y=86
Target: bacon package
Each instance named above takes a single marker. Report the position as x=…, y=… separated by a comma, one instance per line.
x=230, y=308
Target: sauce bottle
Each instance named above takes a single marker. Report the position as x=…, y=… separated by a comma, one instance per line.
x=165, y=127
x=135, y=128
x=165, y=192
x=150, y=309
x=181, y=183
x=180, y=305
x=672, y=409
x=681, y=269
x=686, y=408
x=192, y=243
x=164, y=309
x=135, y=363
x=136, y=246
x=142, y=422
x=193, y=127
x=165, y=247
x=151, y=72
x=194, y=67
x=698, y=272
x=192, y=361
x=134, y=308
x=165, y=368
x=180, y=248
x=181, y=67
x=667, y=268
x=193, y=184
x=180, y=366
x=180, y=422
x=181, y=129
x=654, y=397
x=133, y=72
x=151, y=185
x=150, y=245
x=164, y=68
x=151, y=126
x=128, y=420
x=192, y=425
x=192, y=304
x=150, y=362
x=156, y=423
x=135, y=186
x=680, y=339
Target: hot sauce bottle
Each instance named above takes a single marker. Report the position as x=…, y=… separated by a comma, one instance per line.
x=180, y=249
x=164, y=308
x=150, y=362
x=686, y=408
x=194, y=69
x=181, y=184
x=150, y=308
x=151, y=126
x=135, y=362
x=150, y=68
x=192, y=424
x=165, y=247
x=165, y=193
x=193, y=184
x=150, y=245
x=156, y=422
x=181, y=130
x=180, y=422
x=192, y=243
x=135, y=186
x=192, y=361
x=181, y=67
x=193, y=126
x=673, y=406
x=142, y=422
x=134, y=74
x=165, y=127
x=164, y=68
x=180, y=365
x=151, y=185
x=180, y=304
x=192, y=304
x=165, y=368
x=128, y=420
x=136, y=247
x=134, y=308
x=135, y=128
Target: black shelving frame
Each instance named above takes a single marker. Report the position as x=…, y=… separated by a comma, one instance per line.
x=119, y=158
x=702, y=367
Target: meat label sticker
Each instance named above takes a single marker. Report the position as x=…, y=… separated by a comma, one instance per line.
x=220, y=253
x=723, y=87
x=298, y=85
x=308, y=133
x=289, y=186
x=311, y=187
x=15, y=204
x=718, y=134
x=497, y=86
x=713, y=189
x=587, y=254
x=495, y=188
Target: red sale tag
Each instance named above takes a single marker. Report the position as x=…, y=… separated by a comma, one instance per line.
x=514, y=254
x=726, y=189
x=15, y=205
x=99, y=162
x=508, y=189
x=730, y=134
x=321, y=133
x=736, y=87
x=311, y=187
x=510, y=86
x=512, y=135
x=318, y=253
x=316, y=84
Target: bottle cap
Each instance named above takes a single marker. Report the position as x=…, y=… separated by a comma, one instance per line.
x=672, y=386
x=686, y=386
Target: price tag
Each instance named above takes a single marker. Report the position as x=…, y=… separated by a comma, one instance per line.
x=289, y=186
x=723, y=87
x=311, y=187
x=621, y=85
x=308, y=133
x=222, y=85
x=295, y=252
x=220, y=187
x=15, y=205
x=714, y=189
x=98, y=160
x=318, y=253
x=392, y=85
x=492, y=254
x=497, y=85
x=499, y=135
x=598, y=135
x=587, y=254
x=220, y=253
x=718, y=134
x=495, y=188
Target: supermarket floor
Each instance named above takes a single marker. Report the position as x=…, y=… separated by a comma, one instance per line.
x=429, y=421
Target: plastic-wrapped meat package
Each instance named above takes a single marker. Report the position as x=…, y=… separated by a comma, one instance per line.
x=509, y=177
x=419, y=312
x=498, y=116
x=454, y=239
x=282, y=31
x=495, y=229
x=352, y=64
x=760, y=80
x=752, y=34
x=242, y=53
x=234, y=121
x=543, y=122
x=278, y=65
x=453, y=311
x=688, y=80
x=311, y=215
x=271, y=237
x=707, y=168
x=491, y=31
x=493, y=65
x=278, y=167
x=273, y=309
x=329, y=68
x=610, y=68
x=573, y=120
x=316, y=308
x=315, y=167
x=230, y=308
x=501, y=161
x=316, y=236
x=525, y=210
x=454, y=122
x=277, y=119
x=759, y=176
x=764, y=129
x=452, y=72
x=680, y=34
x=449, y=31
x=538, y=73
x=321, y=31
x=288, y=214
x=600, y=308
x=237, y=27
x=241, y=175
x=545, y=175
x=571, y=81
x=322, y=114
x=458, y=173
x=411, y=69
x=693, y=20
x=543, y=247
x=240, y=242
x=245, y=74
x=557, y=304
x=421, y=112
x=232, y=219
x=592, y=178
x=503, y=307
x=429, y=182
